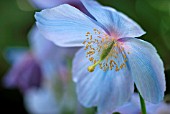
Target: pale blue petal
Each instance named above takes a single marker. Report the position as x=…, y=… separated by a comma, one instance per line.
x=65, y=25
x=106, y=90
x=118, y=25
x=163, y=108
x=133, y=107
x=41, y=101
x=147, y=69
x=42, y=48
x=150, y=108
x=128, y=108
x=50, y=56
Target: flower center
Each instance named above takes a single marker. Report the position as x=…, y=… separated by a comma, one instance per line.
x=104, y=51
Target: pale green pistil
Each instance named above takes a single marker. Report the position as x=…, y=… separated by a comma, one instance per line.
x=104, y=54
x=106, y=48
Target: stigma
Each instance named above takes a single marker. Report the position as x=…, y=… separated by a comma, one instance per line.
x=104, y=51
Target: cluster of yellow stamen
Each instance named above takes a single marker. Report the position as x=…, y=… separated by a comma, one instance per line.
x=104, y=51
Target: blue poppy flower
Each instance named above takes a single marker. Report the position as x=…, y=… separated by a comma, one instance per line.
x=111, y=60
x=43, y=61
x=42, y=75
x=25, y=72
x=51, y=96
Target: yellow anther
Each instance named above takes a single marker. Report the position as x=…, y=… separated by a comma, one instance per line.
x=94, y=61
x=105, y=46
x=88, y=33
x=125, y=60
x=102, y=39
x=114, y=62
x=90, y=37
x=91, y=58
x=100, y=65
x=124, y=56
x=115, y=45
x=117, y=69
x=121, y=66
x=111, y=61
x=112, y=39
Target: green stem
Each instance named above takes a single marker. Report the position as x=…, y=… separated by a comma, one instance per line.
x=142, y=103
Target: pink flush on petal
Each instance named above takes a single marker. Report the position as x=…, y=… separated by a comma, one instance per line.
x=105, y=51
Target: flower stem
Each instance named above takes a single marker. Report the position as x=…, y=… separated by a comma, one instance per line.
x=142, y=103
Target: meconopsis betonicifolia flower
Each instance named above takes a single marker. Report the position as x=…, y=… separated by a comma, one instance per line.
x=111, y=59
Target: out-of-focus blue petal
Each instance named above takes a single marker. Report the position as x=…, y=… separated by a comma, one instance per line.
x=14, y=54
x=24, y=74
x=53, y=3
x=106, y=90
x=42, y=4
x=41, y=101
x=147, y=69
x=51, y=57
x=65, y=25
x=128, y=108
x=116, y=23
x=150, y=108
x=163, y=109
x=133, y=107
x=42, y=48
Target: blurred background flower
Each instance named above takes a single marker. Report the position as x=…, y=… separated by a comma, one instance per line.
x=17, y=18
x=133, y=107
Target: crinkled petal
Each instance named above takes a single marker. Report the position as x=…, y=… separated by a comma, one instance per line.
x=147, y=69
x=116, y=23
x=65, y=25
x=106, y=90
